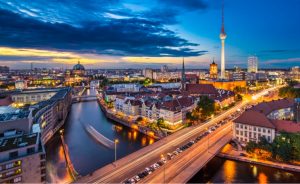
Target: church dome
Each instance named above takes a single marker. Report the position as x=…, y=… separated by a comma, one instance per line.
x=78, y=66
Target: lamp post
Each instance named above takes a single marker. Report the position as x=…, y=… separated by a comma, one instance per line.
x=162, y=156
x=116, y=142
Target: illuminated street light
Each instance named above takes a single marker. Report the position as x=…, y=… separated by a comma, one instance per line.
x=116, y=142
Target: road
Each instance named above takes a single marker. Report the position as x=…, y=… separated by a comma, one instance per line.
x=137, y=161
x=179, y=170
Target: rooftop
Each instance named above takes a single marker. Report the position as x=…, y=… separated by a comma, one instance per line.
x=18, y=142
x=9, y=113
x=254, y=118
x=268, y=107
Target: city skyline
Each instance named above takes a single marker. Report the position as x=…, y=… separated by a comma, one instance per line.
x=128, y=34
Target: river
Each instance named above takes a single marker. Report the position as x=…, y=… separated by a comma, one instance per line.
x=85, y=153
x=220, y=170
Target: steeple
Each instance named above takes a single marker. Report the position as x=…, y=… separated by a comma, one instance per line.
x=78, y=61
x=183, y=79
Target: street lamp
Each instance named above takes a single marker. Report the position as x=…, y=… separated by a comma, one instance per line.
x=61, y=131
x=116, y=142
x=162, y=156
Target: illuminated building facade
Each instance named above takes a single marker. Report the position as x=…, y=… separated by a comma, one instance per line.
x=252, y=64
x=213, y=70
x=226, y=85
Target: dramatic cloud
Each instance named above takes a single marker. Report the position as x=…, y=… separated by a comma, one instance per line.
x=190, y=5
x=92, y=27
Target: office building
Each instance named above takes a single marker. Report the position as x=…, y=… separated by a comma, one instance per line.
x=252, y=64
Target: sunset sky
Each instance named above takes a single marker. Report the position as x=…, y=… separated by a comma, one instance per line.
x=147, y=33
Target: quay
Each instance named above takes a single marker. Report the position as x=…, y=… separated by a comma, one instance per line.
x=267, y=163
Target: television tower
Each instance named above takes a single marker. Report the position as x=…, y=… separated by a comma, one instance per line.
x=223, y=37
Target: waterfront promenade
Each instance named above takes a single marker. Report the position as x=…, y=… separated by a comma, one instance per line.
x=229, y=153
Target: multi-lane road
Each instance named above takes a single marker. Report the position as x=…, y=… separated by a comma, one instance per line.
x=137, y=161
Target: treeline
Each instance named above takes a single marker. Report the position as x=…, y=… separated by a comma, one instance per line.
x=289, y=91
x=284, y=148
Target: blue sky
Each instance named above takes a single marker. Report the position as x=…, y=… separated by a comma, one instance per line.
x=148, y=33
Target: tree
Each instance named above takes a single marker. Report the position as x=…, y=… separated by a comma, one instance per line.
x=238, y=97
x=161, y=122
x=206, y=107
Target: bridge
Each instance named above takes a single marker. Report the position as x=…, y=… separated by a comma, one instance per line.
x=182, y=167
x=84, y=98
x=136, y=162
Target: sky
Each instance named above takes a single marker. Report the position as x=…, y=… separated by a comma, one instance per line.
x=148, y=33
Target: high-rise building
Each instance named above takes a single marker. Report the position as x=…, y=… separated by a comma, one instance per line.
x=252, y=64
x=148, y=73
x=164, y=68
x=213, y=70
x=223, y=37
x=4, y=69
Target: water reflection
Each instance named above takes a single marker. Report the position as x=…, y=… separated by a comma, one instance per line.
x=82, y=147
x=229, y=172
x=226, y=171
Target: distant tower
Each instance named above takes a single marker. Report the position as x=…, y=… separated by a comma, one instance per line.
x=213, y=70
x=31, y=66
x=223, y=37
x=183, y=79
x=252, y=64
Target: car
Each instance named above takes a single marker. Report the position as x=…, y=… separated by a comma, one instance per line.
x=136, y=178
x=175, y=153
x=163, y=160
x=155, y=166
x=128, y=181
x=148, y=170
x=131, y=180
x=160, y=163
x=243, y=154
x=178, y=150
x=141, y=175
x=170, y=156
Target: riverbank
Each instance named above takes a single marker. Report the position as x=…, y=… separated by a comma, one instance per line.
x=127, y=123
x=229, y=153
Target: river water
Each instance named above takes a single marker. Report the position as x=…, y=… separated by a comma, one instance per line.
x=220, y=170
x=85, y=153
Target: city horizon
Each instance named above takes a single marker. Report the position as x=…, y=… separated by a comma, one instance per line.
x=62, y=38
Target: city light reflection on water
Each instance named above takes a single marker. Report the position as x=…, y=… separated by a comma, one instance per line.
x=219, y=170
x=83, y=147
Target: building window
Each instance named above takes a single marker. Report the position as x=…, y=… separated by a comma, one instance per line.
x=13, y=154
x=269, y=131
x=237, y=132
x=269, y=138
x=30, y=150
x=264, y=130
x=258, y=129
x=254, y=128
x=246, y=127
x=17, y=179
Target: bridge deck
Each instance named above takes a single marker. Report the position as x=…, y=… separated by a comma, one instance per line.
x=183, y=167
